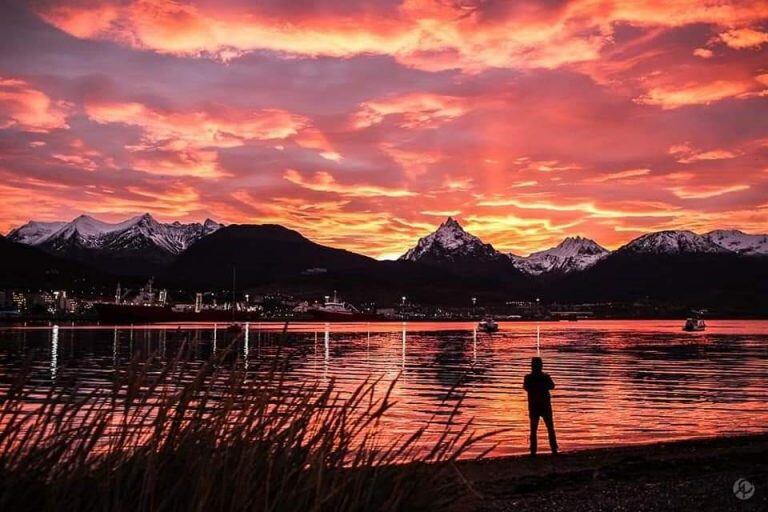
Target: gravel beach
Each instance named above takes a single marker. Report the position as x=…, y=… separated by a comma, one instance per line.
x=686, y=475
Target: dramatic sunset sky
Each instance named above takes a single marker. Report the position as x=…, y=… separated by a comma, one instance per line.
x=364, y=123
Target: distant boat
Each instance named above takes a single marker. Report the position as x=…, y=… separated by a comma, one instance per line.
x=694, y=324
x=488, y=325
x=337, y=310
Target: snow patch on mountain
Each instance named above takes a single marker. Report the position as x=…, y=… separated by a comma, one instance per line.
x=572, y=254
x=672, y=242
x=450, y=242
x=34, y=232
x=739, y=242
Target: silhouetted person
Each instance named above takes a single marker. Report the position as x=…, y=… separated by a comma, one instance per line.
x=537, y=384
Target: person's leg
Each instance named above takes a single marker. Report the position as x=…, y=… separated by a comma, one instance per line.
x=534, y=417
x=550, y=423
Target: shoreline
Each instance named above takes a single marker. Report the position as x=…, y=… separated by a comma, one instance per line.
x=67, y=322
x=679, y=475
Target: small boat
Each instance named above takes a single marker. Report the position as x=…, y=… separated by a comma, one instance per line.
x=488, y=325
x=694, y=324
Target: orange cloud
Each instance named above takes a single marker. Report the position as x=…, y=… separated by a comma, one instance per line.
x=587, y=207
x=741, y=38
x=224, y=129
x=704, y=53
x=620, y=176
x=31, y=110
x=706, y=191
x=442, y=213
x=428, y=34
x=416, y=110
x=673, y=96
x=458, y=183
x=325, y=182
x=685, y=154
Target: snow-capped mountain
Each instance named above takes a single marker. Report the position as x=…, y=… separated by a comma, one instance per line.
x=90, y=233
x=135, y=245
x=672, y=242
x=453, y=250
x=572, y=254
x=450, y=243
x=739, y=242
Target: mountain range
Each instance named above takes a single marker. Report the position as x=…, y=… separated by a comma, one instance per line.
x=450, y=245
x=136, y=246
x=444, y=266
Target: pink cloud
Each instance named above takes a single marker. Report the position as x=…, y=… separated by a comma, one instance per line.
x=24, y=107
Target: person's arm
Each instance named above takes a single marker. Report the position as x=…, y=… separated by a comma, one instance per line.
x=550, y=383
x=525, y=383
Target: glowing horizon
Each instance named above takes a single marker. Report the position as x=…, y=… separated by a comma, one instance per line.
x=363, y=125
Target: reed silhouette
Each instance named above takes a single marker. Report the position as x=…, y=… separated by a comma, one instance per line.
x=169, y=437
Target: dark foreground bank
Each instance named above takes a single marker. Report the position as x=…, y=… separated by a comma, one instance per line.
x=694, y=475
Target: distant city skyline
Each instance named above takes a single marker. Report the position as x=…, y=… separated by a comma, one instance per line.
x=363, y=125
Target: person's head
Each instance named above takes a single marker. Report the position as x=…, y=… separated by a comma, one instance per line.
x=537, y=364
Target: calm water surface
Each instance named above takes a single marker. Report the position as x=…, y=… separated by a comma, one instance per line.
x=618, y=382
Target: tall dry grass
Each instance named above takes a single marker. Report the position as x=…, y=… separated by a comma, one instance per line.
x=167, y=437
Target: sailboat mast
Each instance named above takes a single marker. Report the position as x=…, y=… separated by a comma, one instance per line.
x=234, y=280
x=538, y=341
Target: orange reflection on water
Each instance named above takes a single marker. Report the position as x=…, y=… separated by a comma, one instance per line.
x=618, y=382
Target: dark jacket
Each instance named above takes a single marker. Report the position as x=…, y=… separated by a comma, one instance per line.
x=538, y=384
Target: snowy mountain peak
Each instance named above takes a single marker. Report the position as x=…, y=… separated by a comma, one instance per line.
x=209, y=226
x=576, y=245
x=34, y=232
x=672, y=242
x=739, y=242
x=85, y=229
x=572, y=254
x=449, y=242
